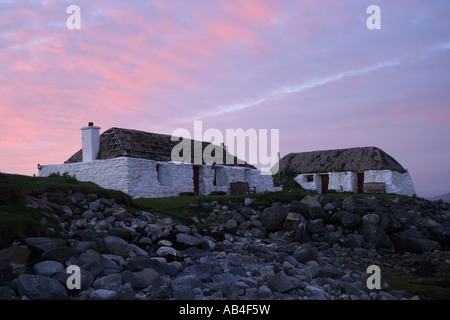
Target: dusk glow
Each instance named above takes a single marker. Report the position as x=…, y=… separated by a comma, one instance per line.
x=311, y=69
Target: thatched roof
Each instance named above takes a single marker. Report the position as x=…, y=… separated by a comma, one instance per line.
x=119, y=142
x=340, y=160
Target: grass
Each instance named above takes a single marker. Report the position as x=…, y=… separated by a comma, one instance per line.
x=18, y=222
x=425, y=286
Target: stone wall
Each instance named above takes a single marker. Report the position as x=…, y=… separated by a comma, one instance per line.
x=396, y=182
x=110, y=174
x=143, y=178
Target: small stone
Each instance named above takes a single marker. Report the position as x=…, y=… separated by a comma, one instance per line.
x=281, y=282
x=188, y=240
x=166, y=251
x=248, y=202
x=103, y=294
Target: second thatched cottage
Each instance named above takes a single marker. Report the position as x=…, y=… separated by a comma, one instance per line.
x=357, y=170
x=140, y=163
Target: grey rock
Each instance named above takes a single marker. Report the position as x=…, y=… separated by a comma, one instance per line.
x=311, y=201
x=375, y=235
x=45, y=244
x=281, y=282
x=60, y=254
x=291, y=222
x=103, y=294
x=316, y=226
x=110, y=282
x=90, y=256
x=88, y=214
x=317, y=213
x=142, y=279
x=346, y=219
x=119, y=246
x=6, y=293
x=48, y=268
x=15, y=254
x=272, y=218
x=231, y=224
x=6, y=272
x=126, y=292
x=167, y=252
x=317, y=292
x=190, y=281
x=140, y=263
x=304, y=255
x=299, y=207
x=38, y=287
x=188, y=240
x=413, y=241
x=94, y=205
x=329, y=272
x=248, y=202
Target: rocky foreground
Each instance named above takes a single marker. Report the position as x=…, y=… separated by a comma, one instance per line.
x=313, y=248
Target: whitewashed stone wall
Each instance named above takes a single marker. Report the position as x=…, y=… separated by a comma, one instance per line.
x=314, y=185
x=110, y=174
x=139, y=177
x=343, y=181
x=395, y=182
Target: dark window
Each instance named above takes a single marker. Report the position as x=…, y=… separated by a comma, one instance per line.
x=310, y=178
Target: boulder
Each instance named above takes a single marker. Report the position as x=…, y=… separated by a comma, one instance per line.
x=375, y=235
x=346, y=219
x=188, y=240
x=273, y=218
x=118, y=246
x=291, y=222
x=60, y=254
x=48, y=268
x=142, y=279
x=316, y=226
x=38, y=287
x=304, y=255
x=311, y=202
x=413, y=241
x=281, y=282
x=299, y=207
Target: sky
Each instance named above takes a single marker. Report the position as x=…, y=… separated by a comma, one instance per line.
x=310, y=68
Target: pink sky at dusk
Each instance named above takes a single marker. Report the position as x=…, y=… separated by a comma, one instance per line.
x=311, y=69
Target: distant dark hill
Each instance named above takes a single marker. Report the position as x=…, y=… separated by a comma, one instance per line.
x=443, y=197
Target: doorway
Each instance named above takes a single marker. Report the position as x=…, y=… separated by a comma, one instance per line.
x=360, y=182
x=325, y=181
x=195, y=178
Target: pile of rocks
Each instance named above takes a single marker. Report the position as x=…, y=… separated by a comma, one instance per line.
x=313, y=248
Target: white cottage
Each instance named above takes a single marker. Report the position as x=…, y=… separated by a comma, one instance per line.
x=357, y=170
x=140, y=164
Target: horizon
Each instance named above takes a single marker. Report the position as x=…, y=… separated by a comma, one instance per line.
x=311, y=69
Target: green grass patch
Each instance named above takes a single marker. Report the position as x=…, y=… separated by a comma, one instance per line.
x=426, y=287
x=18, y=222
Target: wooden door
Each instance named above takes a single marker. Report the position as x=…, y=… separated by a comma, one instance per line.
x=325, y=182
x=361, y=182
x=195, y=178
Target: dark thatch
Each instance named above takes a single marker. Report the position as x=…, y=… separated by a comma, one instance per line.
x=340, y=160
x=119, y=142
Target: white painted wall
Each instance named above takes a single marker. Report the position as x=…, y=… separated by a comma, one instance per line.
x=396, y=182
x=139, y=177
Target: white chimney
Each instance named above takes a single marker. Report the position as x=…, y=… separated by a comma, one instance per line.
x=91, y=142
